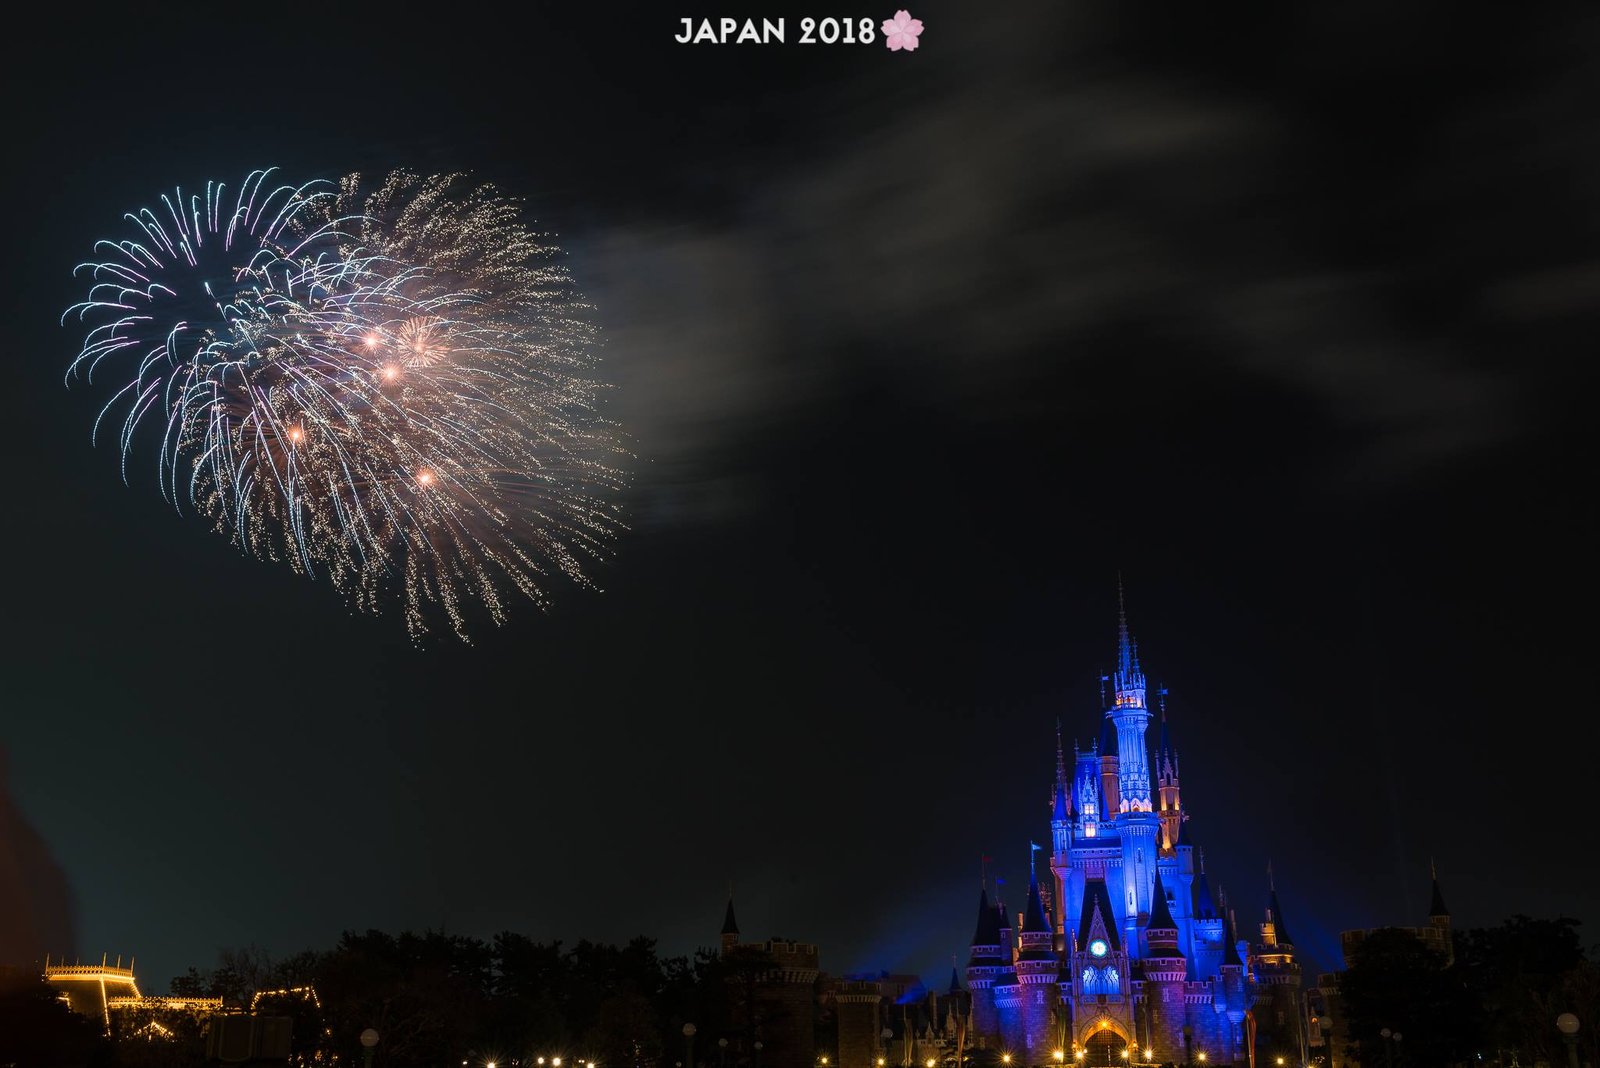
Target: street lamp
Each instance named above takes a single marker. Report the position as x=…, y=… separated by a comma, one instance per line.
x=1059, y=1055
x=1201, y=1056
x=688, y=1041
x=1124, y=1052
x=1005, y=1058
x=722, y=1052
x=1567, y=1024
x=758, y=1047
x=1188, y=1044
x=369, y=1045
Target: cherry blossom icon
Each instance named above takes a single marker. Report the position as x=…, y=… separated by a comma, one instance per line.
x=901, y=32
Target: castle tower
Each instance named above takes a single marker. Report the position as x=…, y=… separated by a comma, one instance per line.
x=856, y=1011
x=1277, y=973
x=988, y=960
x=1165, y=971
x=1205, y=952
x=730, y=930
x=1235, y=1000
x=1037, y=971
x=1167, y=784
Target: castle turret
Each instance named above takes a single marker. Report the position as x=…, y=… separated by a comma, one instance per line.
x=1277, y=976
x=1205, y=955
x=1169, y=806
x=730, y=930
x=988, y=960
x=1164, y=961
x=1439, y=921
x=1037, y=972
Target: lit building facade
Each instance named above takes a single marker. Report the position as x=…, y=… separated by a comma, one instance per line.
x=1122, y=953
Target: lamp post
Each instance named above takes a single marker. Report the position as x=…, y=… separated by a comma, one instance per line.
x=758, y=1047
x=1388, y=1049
x=688, y=1042
x=369, y=1045
x=1188, y=1045
x=722, y=1053
x=1567, y=1024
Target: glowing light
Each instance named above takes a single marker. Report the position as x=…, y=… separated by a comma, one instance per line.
x=1005, y=1058
x=424, y=477
x=1098, y=947
x=1060, y=1055
x=1149, y=1053
x=244, y=323
x=1202, y=1056
x=1124, y=1052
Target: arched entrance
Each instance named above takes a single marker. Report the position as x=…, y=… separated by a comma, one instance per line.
x=1102, y=1044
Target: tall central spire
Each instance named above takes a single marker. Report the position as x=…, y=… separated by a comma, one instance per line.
x=1129, y=680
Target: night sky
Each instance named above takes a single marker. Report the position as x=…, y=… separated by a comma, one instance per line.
x=1289, y=318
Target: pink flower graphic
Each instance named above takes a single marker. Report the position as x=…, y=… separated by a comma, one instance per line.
x=902, y=31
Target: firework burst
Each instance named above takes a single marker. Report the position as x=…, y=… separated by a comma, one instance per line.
x=388, y=387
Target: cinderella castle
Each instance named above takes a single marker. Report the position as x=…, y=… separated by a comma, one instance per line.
x=1122, y=953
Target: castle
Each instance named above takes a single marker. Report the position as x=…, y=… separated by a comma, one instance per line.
x=1123, y=954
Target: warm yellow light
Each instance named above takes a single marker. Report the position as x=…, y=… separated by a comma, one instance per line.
x=1280, y=1060
x=1149, y=1053
x=556, y=1061
x=1078, y=1054
x=1059, y=1055
x=1124, y=1053
x=1005, y=1058
x=489, y=1065
x=930, y=1062
x=1202, y=1056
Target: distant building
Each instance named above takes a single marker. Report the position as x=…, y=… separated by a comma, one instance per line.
x=103, y=990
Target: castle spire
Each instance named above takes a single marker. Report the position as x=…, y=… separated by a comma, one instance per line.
x=1436, y=910
x=1061, y=756
x=1275, y=911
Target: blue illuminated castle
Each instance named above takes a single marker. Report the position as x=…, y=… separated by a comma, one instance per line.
x=1122, y=953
